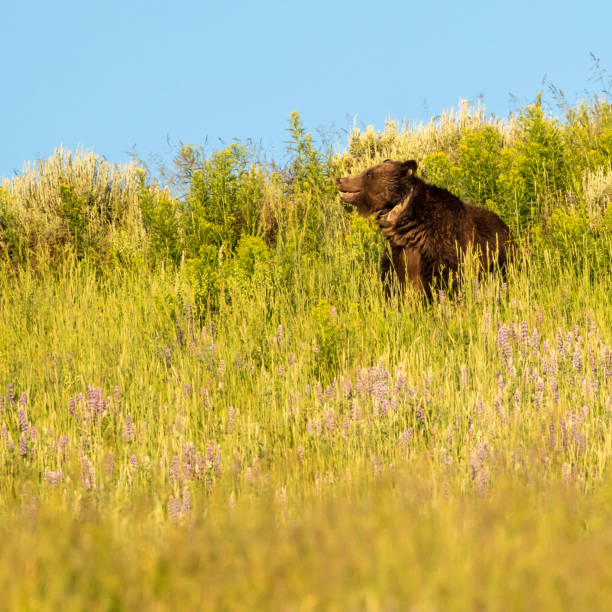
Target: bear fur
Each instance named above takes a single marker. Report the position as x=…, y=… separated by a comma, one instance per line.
x=427, y=227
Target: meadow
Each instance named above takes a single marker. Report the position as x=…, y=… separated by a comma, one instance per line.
x=206, y=402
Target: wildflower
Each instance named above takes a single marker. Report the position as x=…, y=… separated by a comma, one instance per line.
x=300, y=453
x=534, y=341
x=129, y=430
x=175, y=468
x=174, y=508
x=186, y=507
x=592, y=360
x=355, y=411
x=87, y=474
x=400, y=382
x=406, y=436
x=53, y=478
x=566, y=473
x=577, y=361
x=524, y=335
x=23, y=445
x=480, y=473
x=420, y=413
x=554, y=389
x=23, y=420
x=503, y=342
x=560, y=345
x=231, y=415
x=329, y=421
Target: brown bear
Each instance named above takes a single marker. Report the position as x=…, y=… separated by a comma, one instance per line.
x=427, y=227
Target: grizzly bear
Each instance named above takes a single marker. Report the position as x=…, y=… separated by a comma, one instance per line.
x=427, y=227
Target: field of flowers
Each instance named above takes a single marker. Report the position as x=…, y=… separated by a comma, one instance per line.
x=207, y=403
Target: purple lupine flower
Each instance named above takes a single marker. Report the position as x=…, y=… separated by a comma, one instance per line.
x=420, y=413
x=23, y=445
x=534, y=341
x=180, y=338
x=555, y=390
x=376, y=465
x=281, y=370
x=319, y=393
x=501, y=383
x=300, y=453
x=480, y=472
x=406, y=436
x=560, y=345
x=503, y=342
x=168, y=357
x=87, y=474
x=186, y=507
x=11, y=393
x=231, y=413
x=539, y=393
x=210, y=454
x=217, y=464
x=189, y=461
x=53, y=478
x=355, y=411
x=23, y=421
x=577, y=361
x=221, y=368
x=129, y=430
x=592, y=360
x=515, y=333
x=330, y=421
x=23, y=400
x=524, y=336
x=175, y=469
x=400, y=382
x=4, y=434
x=566, y=473
x=2, y=404
x=516, y=398
x=174, y=508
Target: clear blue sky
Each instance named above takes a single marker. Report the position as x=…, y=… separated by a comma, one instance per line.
x=113, y=75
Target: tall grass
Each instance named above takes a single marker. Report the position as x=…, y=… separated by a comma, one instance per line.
x=246, y=423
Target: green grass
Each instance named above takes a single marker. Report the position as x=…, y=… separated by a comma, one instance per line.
x=309, y=445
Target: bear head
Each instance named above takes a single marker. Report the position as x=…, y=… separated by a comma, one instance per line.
x=378, y=188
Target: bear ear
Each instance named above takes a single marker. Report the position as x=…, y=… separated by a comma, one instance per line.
x=409, y=167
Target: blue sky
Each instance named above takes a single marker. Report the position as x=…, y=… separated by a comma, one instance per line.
x=116, y=75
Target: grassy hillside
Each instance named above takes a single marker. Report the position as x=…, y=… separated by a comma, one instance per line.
x=206, y=402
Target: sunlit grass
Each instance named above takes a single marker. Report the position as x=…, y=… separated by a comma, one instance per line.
x=306, y=446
